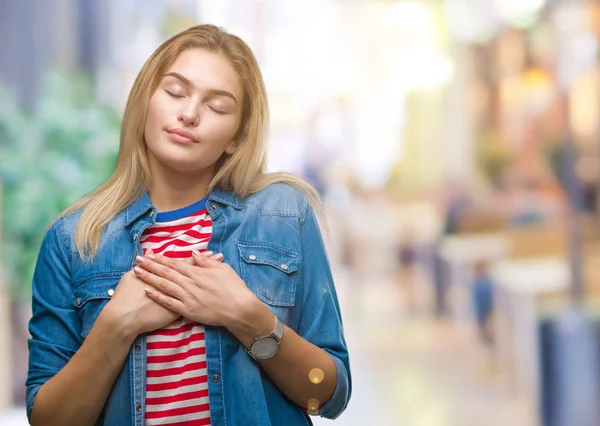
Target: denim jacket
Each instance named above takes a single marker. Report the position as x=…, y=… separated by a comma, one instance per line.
x=258, y=235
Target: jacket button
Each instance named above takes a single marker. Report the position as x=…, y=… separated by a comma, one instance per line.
x=110, y=292
x=252, y=257
x=135, y=237
x=284, y=267
x=212, y=207
x=78, y=301
x=137, y=347
x=216, y=378
x=138, y=408
x=152, y=213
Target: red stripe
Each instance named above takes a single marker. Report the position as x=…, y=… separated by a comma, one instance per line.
x=176, y=230
x=197, y=238
x=177, y=370
x=189, y=233
x=178, y=254
x=176, y=357
x=177, y=397
x=180, y=227
x=157, y=387
x=185, y=254
x=174, y=331
x=177, y=411
x=176, y=343
x=198, y=422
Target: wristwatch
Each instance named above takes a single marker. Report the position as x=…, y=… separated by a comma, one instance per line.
x=266, y=347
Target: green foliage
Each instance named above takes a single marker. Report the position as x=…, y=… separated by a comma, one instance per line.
x=49, y=158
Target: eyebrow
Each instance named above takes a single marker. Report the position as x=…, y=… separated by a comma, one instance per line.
x=188, y=82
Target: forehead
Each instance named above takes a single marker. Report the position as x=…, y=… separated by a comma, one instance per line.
x=207, y=70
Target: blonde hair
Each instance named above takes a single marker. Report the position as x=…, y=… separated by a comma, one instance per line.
x=243, y=172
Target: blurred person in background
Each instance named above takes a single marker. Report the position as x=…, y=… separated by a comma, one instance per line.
x=482, y=294
x=455, y=205
x=135, y=320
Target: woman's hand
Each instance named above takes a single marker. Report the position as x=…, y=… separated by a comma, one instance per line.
x=130, y=308
x=209, y=293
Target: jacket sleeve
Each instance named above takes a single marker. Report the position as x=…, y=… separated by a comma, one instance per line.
x=55, y=327
x=320, y=319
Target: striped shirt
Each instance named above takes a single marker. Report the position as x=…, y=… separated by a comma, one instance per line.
x=176, y=377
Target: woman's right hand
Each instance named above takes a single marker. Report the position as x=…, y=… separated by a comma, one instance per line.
x=133, y=311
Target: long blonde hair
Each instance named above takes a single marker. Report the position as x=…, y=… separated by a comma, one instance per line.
x=243, y=172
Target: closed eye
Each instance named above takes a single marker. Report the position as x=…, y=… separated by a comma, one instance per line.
x=218, y=111
x=173, y=95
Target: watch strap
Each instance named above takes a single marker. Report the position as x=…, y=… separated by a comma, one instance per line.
x=278, y=330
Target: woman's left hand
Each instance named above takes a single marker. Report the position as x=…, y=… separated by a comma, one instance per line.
x=209, y=293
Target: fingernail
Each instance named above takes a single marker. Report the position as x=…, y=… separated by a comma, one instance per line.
x=138, y=270
x=208, y=253
x=150, y=255
x=219, y=256
x=148, y=291
x=140, y=259
x=195, y=252
x=149, y=251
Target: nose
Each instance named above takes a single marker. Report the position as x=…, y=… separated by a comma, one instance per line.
x=189, y=116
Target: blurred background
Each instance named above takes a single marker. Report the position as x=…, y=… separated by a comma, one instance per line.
x=456, y=144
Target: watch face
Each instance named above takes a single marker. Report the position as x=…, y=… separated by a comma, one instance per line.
x=265, y=348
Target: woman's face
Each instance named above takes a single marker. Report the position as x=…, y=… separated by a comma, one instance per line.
x=195, y=112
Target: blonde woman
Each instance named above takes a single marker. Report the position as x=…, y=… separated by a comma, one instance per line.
x=135, y=320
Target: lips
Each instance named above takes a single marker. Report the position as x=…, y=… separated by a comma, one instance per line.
x=182, y=136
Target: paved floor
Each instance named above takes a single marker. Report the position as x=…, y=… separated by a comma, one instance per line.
x=410, y=369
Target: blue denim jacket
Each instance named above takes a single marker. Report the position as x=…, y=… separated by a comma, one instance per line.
x=257, y=235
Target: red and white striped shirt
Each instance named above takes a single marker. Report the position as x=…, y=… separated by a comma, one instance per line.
x=176, y=378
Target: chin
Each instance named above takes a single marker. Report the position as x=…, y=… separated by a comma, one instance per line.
x=183, y=163
x=181, y=160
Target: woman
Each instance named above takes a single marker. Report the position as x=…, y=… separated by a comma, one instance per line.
x=126, y=333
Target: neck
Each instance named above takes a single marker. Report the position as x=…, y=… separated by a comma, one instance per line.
x=171, y=190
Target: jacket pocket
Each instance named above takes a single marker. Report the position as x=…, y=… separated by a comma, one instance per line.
x=91, y=296
x=269, y=271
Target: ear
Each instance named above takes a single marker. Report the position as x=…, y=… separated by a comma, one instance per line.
x=230, y=148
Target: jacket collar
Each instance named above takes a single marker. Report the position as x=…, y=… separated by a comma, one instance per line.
x=136, y=209
x=226, y=197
